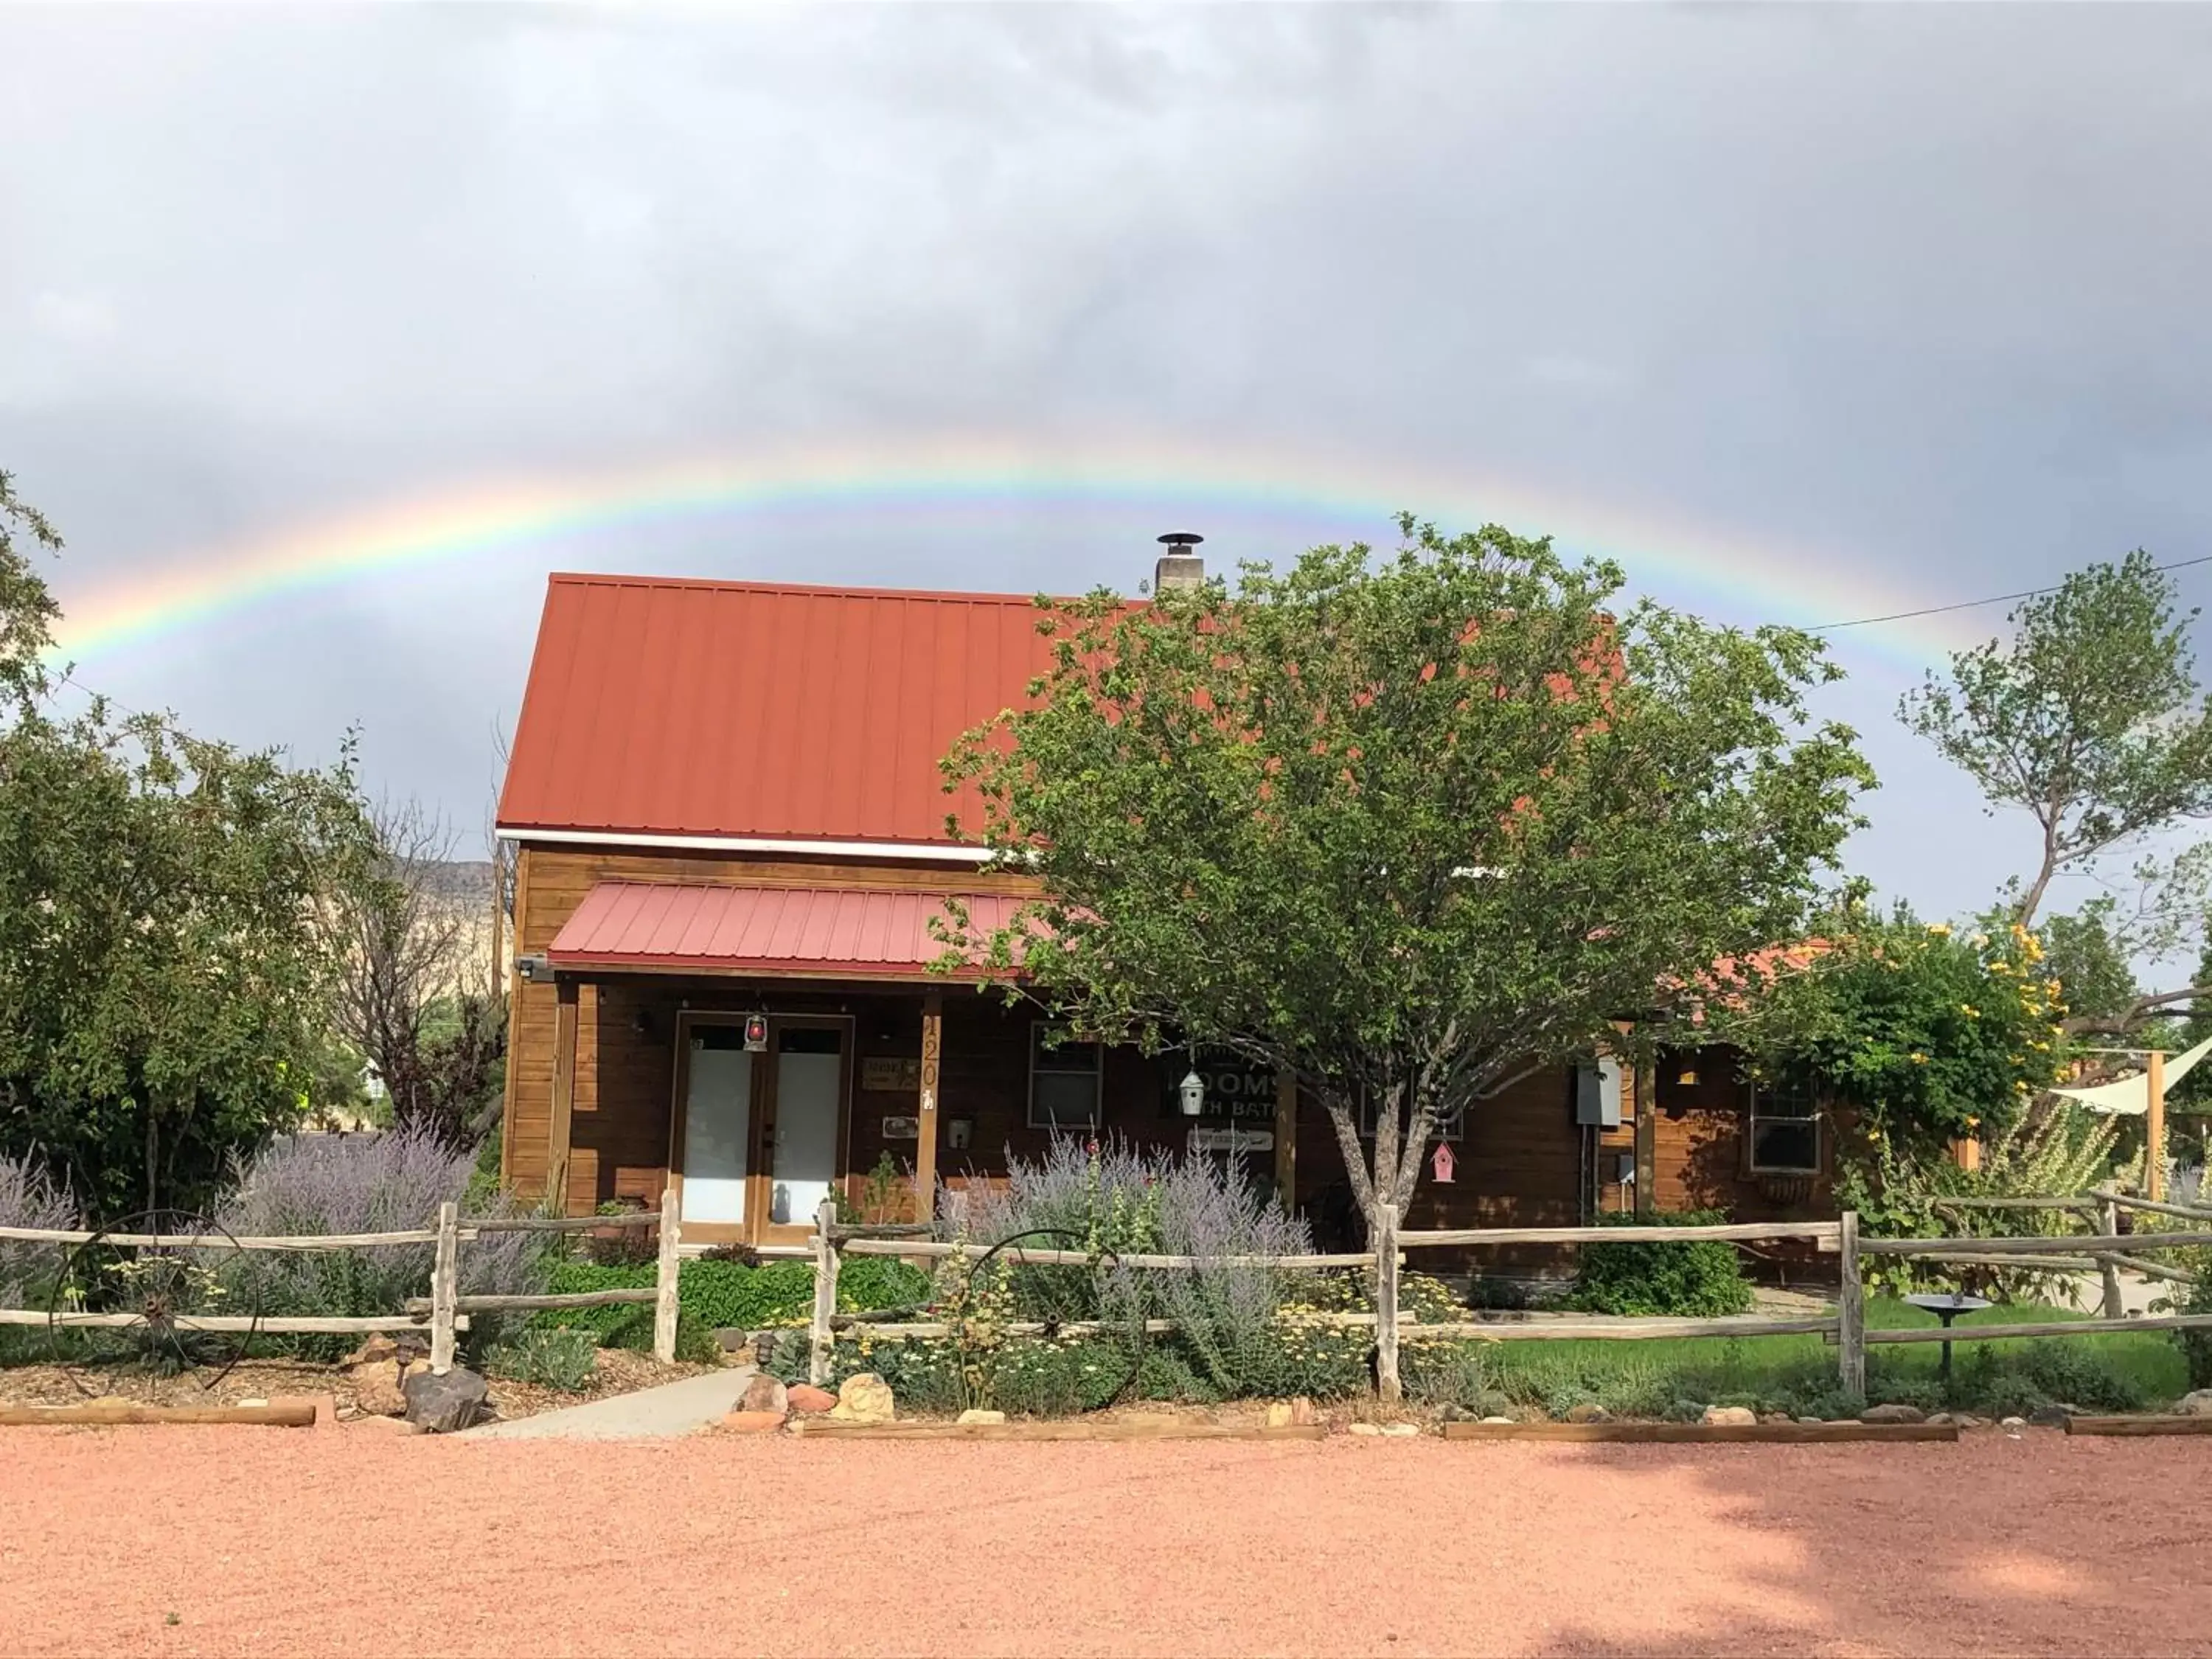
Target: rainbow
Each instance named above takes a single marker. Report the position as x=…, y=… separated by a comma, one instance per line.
x=1285, y=491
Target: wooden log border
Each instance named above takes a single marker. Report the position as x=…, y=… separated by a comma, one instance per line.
x=107, y=1414
x=2138, y=1426
x=1693, y=1434
x=1122, y=1429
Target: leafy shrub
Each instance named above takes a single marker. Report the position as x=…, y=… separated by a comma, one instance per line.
x=1113, y=1198
x=714, y=1295
x=393, y=1182
x=563, y=1360
x=1697, y=1278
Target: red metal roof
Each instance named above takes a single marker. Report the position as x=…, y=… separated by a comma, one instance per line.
x=871, y=933
x=755, y=710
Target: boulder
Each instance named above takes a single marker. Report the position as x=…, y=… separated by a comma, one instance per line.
x=765, y=1393
x=863, y=1398
x=1892, y=1414
x=1366, y=1428
x=1401, y=1430
x=1729, y=1416
x=1942, y=1420
x=2012, y=1424
x=1302, y=1413
x=1588, y=1411
x=1451, y=1414
x=805, y=1399
x=2052, y=1417
x=1498, y=1420
x=1775, y=1417
x=1811, y=1419
x=445, y=1405
x=1279, y=1414
x=375, y=1385
x=734, y=1338
x=753, y=1422
x=2196, y=1404
x=978, y=1414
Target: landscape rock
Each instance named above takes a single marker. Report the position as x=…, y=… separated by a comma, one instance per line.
x=382, y=1425
x=732, y=1338
x=448, y=1404
x=1451, y=1414
x=1729, y=1416
x=1279, y=1413
x=863, y=1398
x=753, y=1422
x=1302, y=1413
x=1498, y=1420
x=2197, y=1404
x=1892, y=1414
x=1943, y=1421
x=2012, y=1424
x=1812, y=1419
x=1366, y=1428
x=2052, y=1417
x=805, y=1399
x=1588, y=1412
x=1401, y=1430
x=375, y=1384
x=377, y=1347
x=1775, y=1417
x=765, y=1393
x=978, y=1414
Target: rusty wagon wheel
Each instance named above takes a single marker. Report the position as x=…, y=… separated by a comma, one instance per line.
x=188, y=1303
x=1046, y=1336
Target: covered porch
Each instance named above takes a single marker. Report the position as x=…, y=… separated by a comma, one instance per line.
x=764, y=1046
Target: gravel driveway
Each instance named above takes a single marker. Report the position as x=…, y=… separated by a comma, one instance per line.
x=236, y=1541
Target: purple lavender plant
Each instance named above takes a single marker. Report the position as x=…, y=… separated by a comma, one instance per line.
x=30, y=1197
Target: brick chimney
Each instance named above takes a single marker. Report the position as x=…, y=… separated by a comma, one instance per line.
x=1180, y=565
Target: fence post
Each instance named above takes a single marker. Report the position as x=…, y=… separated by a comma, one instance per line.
x=667, y=1302
x=2108, y=1218
x=825, y=1294
x=1850, y=1310
x=1385, y=1302
x=445, y=1288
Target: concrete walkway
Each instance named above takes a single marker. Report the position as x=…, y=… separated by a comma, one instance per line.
x=663, y=1414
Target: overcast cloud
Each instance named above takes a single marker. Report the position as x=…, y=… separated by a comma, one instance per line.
x=1917, y=291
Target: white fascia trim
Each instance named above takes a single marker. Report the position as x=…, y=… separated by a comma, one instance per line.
x=842, y=849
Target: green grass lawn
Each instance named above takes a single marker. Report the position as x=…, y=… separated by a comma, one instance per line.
x=2144, y=1367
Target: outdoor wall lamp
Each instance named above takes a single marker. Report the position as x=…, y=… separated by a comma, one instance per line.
x=1193, y=1094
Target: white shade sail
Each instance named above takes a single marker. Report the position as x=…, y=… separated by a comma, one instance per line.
x=2132, y=1094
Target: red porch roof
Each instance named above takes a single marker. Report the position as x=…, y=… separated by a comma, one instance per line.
x=745, y=710
x=867, y=933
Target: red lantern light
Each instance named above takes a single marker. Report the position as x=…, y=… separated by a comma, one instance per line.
x=756, y=1033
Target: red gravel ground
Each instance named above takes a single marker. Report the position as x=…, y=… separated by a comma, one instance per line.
x=173, y=1541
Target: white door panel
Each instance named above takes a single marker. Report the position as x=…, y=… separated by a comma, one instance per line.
x=717, y=1132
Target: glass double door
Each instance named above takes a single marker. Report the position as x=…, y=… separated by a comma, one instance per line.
x=763, y=1131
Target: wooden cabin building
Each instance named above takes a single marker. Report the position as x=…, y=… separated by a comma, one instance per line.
x=732, y=834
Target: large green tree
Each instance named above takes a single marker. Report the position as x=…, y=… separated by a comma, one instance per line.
x=2089, y=719
x=167, y=959
x=1402, y=828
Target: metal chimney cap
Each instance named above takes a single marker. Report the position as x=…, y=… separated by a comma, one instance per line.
x=1181, y=539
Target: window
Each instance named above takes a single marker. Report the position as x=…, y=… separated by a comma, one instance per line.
x=1785, y=1132
x=1064, y=1079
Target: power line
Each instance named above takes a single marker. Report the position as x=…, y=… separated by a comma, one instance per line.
x=1975, y=605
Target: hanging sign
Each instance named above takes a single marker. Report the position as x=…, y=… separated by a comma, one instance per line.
x=1441, y=1164
x=1232, y=1140
x=902, y=1128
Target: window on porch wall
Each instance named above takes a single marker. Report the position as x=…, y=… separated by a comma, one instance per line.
x=1782, y=1132
x=1066, y=1079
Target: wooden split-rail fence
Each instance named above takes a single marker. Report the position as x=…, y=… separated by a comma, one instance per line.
x=441, y=1316
x=1846, y=1328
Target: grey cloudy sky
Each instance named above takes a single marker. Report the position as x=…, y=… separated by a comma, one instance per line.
x=1898, y=300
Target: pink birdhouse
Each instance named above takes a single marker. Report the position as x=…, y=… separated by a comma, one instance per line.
x=1441, y=1162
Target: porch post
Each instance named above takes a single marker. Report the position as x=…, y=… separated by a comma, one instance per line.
x=925, y=1149
x=564, y=1096
x=1647, y=1136
x=1287, y=1141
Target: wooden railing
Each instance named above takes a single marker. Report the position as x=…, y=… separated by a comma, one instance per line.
x=442, y=1315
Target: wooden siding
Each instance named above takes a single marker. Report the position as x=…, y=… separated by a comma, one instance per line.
x=1700, y=1157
